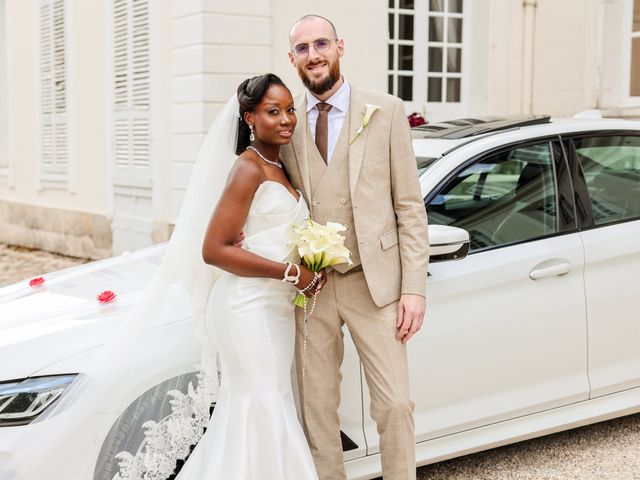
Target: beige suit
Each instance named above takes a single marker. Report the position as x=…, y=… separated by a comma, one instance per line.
x=371, y=186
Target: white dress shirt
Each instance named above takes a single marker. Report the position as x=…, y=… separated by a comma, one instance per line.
x=340, y=104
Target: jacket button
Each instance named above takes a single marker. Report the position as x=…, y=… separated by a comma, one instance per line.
x=314, y=203
x=343, y=201
x=346, y=226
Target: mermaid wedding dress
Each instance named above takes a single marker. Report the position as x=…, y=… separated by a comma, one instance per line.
x=254, y=432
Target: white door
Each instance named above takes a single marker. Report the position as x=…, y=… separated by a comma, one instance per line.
x=132, y=167
x=611, y=235
x=504, y=334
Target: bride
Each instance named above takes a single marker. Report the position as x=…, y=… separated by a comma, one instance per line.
x=254, y=430
x=242, y=307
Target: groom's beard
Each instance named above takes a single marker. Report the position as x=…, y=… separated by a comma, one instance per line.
x=324, y=85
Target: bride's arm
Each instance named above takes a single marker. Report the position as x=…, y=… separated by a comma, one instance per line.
x=227, y=222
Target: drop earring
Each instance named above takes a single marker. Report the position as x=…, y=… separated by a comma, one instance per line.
x=252, y=137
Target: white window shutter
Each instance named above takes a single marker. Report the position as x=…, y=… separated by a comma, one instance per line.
x=121, y=142
x=53, y=95
x=140, y=53
x=132, y=143
x=120, y=54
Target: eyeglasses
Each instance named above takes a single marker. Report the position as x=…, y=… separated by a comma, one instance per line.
x=321, y=45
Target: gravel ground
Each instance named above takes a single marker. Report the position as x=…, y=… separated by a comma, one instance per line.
x=18, y=263
x=604, y=451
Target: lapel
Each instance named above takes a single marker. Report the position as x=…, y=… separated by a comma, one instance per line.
x=356, y=149
x=299, y=145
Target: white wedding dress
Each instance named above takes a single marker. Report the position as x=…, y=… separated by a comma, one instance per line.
x=254, y=432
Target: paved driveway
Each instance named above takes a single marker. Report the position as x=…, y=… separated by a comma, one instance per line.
x=605, y=451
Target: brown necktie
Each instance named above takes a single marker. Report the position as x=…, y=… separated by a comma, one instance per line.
x=322, y=129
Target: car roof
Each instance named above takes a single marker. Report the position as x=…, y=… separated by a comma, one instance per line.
x=437, y=139
x=472, y=126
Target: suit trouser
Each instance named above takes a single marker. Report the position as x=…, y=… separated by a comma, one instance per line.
x=346, y=299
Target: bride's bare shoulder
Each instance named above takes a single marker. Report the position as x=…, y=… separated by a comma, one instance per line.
x=247, y=167
x=245, y=175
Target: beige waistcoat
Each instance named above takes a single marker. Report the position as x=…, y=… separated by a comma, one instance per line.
x=330, y=198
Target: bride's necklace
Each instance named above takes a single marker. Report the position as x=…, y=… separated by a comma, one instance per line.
x=277, y=164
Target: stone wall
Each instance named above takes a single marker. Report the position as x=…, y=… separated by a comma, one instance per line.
x=72, y=233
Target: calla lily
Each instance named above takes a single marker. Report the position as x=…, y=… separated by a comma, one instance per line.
x=366, y=118
x=319, y=246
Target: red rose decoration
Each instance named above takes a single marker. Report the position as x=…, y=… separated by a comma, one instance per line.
x=106, y=296
x=415, y=120
x=36, y=282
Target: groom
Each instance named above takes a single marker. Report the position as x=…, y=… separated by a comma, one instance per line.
x=366, y=178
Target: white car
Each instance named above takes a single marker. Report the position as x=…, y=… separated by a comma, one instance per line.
x=532, y=313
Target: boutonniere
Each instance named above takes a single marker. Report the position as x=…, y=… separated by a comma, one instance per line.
x=369, y=109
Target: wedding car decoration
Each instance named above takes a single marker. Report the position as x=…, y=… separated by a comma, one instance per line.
x=36, y=282
x=106, y=296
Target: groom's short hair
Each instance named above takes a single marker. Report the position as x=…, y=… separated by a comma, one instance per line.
x=309, y=17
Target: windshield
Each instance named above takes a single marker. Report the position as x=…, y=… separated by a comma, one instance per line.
x=424, y=163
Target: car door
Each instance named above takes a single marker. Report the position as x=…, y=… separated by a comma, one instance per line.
x=607, y=180
x=504, y=333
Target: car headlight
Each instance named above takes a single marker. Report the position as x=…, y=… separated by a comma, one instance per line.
x=22, y=401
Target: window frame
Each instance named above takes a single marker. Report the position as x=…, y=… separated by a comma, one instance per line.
x=579, y=184
x=433, y=111
x=560, y=167
x=627, y=99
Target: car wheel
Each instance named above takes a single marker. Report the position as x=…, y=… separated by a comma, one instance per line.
x=127, y=433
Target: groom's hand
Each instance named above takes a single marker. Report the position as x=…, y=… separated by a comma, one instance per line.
x=411, y=310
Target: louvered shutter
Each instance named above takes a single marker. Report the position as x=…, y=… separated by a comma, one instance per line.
x=53, y=95
x=131, y=129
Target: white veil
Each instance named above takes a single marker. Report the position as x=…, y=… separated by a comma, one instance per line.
x=87, y=410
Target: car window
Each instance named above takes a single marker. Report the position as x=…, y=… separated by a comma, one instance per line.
x=611, y=166
x=503, y=198
x=424, y=163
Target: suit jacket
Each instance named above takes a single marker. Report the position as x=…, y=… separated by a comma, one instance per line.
x=390, y=219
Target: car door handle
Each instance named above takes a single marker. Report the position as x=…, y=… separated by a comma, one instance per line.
x=550, y=269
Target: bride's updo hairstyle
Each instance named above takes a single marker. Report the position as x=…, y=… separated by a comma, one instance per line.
x=250, y=93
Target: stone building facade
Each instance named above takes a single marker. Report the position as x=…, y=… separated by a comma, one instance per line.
x=104, y=103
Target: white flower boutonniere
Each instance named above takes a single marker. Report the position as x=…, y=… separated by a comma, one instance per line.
x=365, y=119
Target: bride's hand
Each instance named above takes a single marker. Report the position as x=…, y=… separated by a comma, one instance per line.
x=306, y=277
x=323, y=280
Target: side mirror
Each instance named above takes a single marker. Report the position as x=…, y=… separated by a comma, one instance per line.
x=447, y=243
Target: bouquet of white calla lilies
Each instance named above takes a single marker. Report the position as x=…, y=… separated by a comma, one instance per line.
x=319, y=246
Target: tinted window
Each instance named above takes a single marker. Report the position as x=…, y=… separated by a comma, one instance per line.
x=612, y=173
x=504, y=198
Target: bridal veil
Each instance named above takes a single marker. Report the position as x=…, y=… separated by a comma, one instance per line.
x=89, y=407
